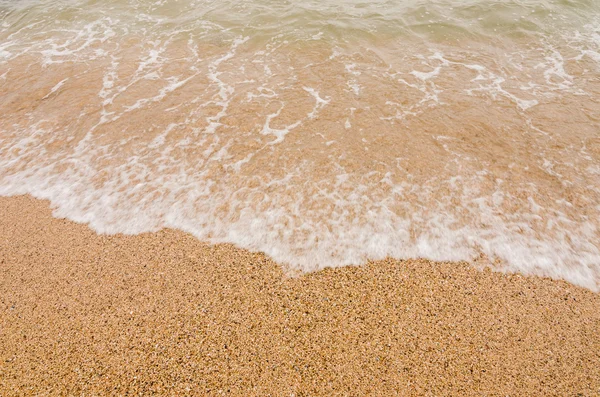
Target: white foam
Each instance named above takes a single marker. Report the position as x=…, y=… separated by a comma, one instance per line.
x=554, y=71
x=56, y=88
x=320, y=102
x=225, y=90
x=278, y=133
x=426, y=75
x=4, y=55
x=260, y=188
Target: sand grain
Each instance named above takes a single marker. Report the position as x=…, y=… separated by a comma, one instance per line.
x=83, y=314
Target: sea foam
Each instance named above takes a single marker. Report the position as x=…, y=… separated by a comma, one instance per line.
x=319, y=143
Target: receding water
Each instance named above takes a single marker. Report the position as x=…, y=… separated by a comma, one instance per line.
x=324, y=133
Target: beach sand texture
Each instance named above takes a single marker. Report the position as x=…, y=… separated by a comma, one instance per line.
x=163, y=313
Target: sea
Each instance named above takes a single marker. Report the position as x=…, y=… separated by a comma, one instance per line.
x=323, y=133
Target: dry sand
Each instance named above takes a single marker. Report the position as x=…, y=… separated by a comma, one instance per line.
x=83, y=314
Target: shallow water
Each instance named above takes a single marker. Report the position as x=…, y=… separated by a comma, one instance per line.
x=324, y=133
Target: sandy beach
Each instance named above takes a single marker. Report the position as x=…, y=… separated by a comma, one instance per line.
x=163, y=313
x=190, y=191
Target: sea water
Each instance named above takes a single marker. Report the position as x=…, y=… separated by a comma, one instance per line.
x=323, y=133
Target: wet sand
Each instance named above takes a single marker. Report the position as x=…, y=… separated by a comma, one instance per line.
x=84, y=314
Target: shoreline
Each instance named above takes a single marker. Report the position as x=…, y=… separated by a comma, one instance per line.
x=83, y=313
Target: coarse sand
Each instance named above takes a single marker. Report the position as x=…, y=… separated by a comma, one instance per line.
x=163, y=313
